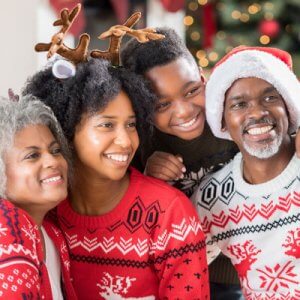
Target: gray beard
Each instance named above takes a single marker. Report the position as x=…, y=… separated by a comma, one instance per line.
x=267, y=150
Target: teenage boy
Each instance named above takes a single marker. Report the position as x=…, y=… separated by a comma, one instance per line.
x=182, y=149
x=250, y=208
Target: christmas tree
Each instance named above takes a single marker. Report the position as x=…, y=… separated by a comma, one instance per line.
x=214, y=27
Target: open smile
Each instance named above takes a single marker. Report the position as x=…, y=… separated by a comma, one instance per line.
x=188, y=125
x=119, y=159
x=260, y=133
x=53, y=180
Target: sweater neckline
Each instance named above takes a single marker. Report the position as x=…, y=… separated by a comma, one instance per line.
x=66, y=210
x=268, y=187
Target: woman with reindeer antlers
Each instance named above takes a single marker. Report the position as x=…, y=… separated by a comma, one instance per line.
x=129, y=236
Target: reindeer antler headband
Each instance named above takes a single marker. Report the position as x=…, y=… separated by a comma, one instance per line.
x=117, y=32
x=77, y=55
x=80, y=53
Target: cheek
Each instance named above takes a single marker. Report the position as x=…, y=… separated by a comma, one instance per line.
x=135, y=141
x=161, y=120
x=20, y=182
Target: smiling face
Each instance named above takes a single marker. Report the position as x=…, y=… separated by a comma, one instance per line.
x=255, y=116
x=180, y=109
x=36, y=170
x=106, y=142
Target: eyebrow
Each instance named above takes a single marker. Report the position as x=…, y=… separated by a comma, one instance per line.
x=187, y=84
x=37, y=148
x=265, y=91
x=112, y=117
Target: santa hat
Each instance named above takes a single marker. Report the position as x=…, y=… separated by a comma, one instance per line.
x=270, y=64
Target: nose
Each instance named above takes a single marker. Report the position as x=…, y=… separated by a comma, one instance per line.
x=182, y=109
x=257, y=110
x=122, y=138
x=50, y=161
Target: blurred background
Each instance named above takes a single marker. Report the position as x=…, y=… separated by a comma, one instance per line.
x=210, y=28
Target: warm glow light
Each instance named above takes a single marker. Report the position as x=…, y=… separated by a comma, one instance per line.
x=264, y=39
x=213, y=56
x=269, y=16
x=288, y=28
x=200, y=54
x=195, y=36
x=236, y=14
x=269, y=5
x=203, y=62
x=244, y=18
x=193, y=6
x=188, y=20
x=253, y=9
x=202, y=2
x=221, y=35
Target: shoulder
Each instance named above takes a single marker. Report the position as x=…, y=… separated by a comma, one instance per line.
x=16, y=226
x=208, y=188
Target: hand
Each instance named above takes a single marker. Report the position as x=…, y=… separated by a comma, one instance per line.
x=164, y=166
x=297, y=142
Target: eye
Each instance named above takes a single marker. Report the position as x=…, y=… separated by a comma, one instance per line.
x=194, y=91
x=272, y=98
x=131, y=125
x=238, y=105
x=105, y=125
x=32, y=156
x=161, y=106
x=56, y=150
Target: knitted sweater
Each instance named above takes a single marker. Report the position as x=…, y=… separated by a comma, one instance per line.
x=150, y=246
x=204, y=154
x=257, y=227
x=23, y=272
x=201, y=155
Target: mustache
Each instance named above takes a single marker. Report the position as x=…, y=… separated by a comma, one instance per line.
x=264, y=120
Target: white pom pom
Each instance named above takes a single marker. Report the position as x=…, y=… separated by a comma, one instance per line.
x=63, y=69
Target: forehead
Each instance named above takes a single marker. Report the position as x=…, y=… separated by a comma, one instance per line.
x=33, y=135
x=182, y=69
x=248, y=86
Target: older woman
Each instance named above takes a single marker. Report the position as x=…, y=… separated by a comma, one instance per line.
x=33, y=180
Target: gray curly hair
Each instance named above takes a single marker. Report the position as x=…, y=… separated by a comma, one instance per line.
x=15, y=116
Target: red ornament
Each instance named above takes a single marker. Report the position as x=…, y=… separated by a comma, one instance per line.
x=173, y=5
x=270, y=28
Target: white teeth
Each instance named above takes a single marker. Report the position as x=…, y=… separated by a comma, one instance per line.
x=188, y=124
x=52, y=179
x=118, y=157
x=259, y=130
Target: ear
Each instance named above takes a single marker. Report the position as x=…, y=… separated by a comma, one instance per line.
x=223, y=128
x=203, y=79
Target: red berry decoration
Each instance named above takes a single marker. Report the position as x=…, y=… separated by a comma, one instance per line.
x=270, y=28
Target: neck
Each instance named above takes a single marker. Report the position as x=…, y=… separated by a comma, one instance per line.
x=95, y=196
x=256, y=171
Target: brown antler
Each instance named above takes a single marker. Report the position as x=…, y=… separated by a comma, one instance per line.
x=116, y=33
x=75, y=55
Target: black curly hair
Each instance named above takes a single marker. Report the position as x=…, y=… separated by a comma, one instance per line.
x=95, y=83
x=141, y=57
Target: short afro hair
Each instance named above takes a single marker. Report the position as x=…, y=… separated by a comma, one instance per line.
x=141, y=57
x=95, y=83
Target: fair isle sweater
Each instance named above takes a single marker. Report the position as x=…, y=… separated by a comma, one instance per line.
x=257, y=227
x=23, y=272
x=150, y=246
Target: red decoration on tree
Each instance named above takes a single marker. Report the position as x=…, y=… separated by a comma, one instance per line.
x=79, y=23
x=209, y=25
x=173, y=5
x=270, y=28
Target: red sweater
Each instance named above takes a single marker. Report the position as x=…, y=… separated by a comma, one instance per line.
x=23, y=274
x=150, y=246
